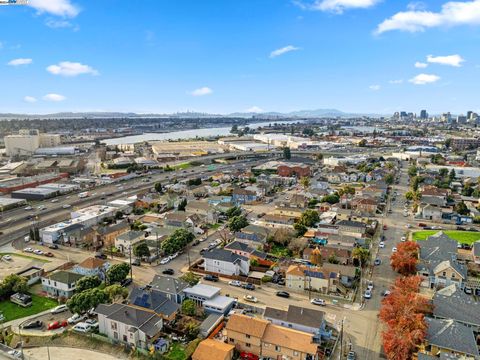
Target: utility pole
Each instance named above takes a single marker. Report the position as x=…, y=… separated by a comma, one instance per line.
x=130, y=256
x=158, y=247
x=341, y=340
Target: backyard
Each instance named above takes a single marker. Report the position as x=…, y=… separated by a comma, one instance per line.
x=13, y=311
x=466, y=237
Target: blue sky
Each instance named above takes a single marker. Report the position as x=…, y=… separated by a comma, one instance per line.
x=223, y=56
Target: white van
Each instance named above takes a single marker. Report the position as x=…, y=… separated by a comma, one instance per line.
x=59, y=309
x=82, y=327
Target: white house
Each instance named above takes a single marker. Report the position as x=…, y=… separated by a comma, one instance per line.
x=225, y=262
x=127, y=324
x=60, y=283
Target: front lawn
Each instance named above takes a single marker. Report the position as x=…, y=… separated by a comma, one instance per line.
x=467, y=237
x=13, y=311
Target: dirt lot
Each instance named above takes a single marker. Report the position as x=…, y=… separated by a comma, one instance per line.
x=17, y=264
x=60, y=353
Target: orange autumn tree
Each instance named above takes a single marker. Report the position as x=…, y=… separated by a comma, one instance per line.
x=403, y=313
x=405, y=260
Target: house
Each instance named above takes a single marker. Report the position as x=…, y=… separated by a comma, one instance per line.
x=108, y=234
x=343, y=254
x=434, y=195
x=153, y=300
x=293, y=169
x=438, y=264
x=298, y=318
x=292, y=212
x=129, y=325
x=277, y=221
x=172, y=288
x=253, y=235
x=476, y=252
x=299, y=201
x=352, y=228
x=92, y=267
x=32, y=274
x=210, y=299
x=244, y=249
x=262, y=338
x=300, y=278
x=365, y=205
x=60, y=283
x=451, y=302
x=225, y=262
x=128, y=240
x=431, y=212
x=449, y=336
x=203, y=208
x=181, y=219
x=210, y=349
x=242, y=196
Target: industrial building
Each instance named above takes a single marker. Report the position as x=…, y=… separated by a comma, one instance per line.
x=7, y=203
x=27, y=141
x=20, y=183
x=35, y=194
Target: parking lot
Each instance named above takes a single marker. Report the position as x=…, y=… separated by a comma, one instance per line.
x=11, y=264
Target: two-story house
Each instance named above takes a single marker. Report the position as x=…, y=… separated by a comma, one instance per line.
x=172, y=288
x=151, y=299
x=225, y=262
x=92, y=267
x=129, y=325
x=60, y=283
x=242, y=196
x=128, y=240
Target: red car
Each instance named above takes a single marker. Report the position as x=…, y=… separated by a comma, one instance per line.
x=57, y=325
x=48, y=254
x=385, y=227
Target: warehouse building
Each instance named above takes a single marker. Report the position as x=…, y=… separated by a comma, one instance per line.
x=35, y=194
x=7, y=203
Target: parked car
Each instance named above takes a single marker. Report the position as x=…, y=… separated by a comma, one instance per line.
x=319, y=302
x=48, y=254
x=213, y=278
x=235, y=283
x=283, y=294
x=351, y=355
x=101, y=256
x=468, y=290
x=57, y=325
x=92, y=323
x=248, y=286
x=403, y=239
x=394, y=250
x=126, y=282
x=28, y=249
x=38, y=252
x=17, y=354
x=250, y=298
x=368, y=294
x=165, y=260
x=385, y=293
x=377, y=262
x=59, y=309
x=136, y=262
x=370, y=285
x=381, y=245
x=75, y=318
x=82, y=327
x=7, y=257
x=36, y=324
x=385, y=227
x=168, y=272
x=53, y=246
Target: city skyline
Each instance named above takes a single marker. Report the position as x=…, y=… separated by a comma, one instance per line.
x=365, y=56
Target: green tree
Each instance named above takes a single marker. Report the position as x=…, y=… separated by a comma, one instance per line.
x=190, y=278
x=361, y=256
x=332, y=259
x=461, y=209
x=188, y=307
x=443, y=172
x=87, y=282
x=158, y=187
x=118, y=272
x=452, y=175
x=177, y=241
x=84, y=301
x=119, y=215
x=287, y=154
x=305, y=182
x=389, y=179
x=234, y=129
x=300, y=229
x=233, y=211
x=116, y=292
x=331, y=198
x=237, y=223
x=309, y=218
x=192, y=329
x=362, y=143
x=182, y=205
x=141, y=250
x=346, y=189
x=412, y=171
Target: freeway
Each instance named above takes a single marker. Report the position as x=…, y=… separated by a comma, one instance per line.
x=15, y=224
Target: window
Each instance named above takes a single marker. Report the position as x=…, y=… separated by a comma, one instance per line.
x=231, y=340
x=444, y=274
x=295, y=353
x=278, y=348
x=113, y=325
x=247, y=345
x=247, y=336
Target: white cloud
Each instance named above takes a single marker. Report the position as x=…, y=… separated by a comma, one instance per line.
x=453, y=13
x=69, y=69
x=18, y=62
x=336, y=6
x=450, y=60
x=30, y=99
x=283, y=50
x=422, y=79
x=255, y=109
x=62, y=8
x=54, y=97
x=61, y=24
x=201, y=91
x=398, y=81
x=420, y=65
x=375, y=87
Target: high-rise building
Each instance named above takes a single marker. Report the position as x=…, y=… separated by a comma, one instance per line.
x=423, y=115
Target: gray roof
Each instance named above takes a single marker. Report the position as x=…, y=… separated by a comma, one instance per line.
x=131, y=235
x=209, y=322
x=112, y=228
x=451, y=335
x=238, y=245
x=223, y=255
x=153, y=300
x=351, y=223
x=476, y=248
x=65, y=277
x=422, y=356
x=168, y=284
x=452, y=303
x=296, y=315
x=144, y=320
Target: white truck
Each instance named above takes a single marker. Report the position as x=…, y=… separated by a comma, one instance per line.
x=84, y=194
